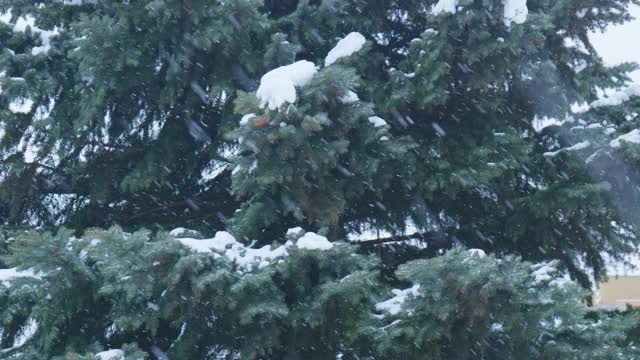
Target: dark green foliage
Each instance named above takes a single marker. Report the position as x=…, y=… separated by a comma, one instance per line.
x=134, y=119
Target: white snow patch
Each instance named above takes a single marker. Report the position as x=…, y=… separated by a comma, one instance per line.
x=393, y=306
x=579, y=146
x=632, y=137
x=220, y=241
x=21, y=106
x=278, y=86
x=477, y=253
x=247, y=257
x=245, y=119
x=180, y=230
x=345, y=47
x=377, y=121
x=25, y=22
x=7, y=275
x=515, y=11
x=618, y=97
x=445, y=6
x=295, y=231
x=45, y=37
x=349, y=97
x=313, y=241
x=26, y=333
x=592, y=157
x=539, y=123
x=543, y=271
x=629, y=265
x=112, y=354
x=79, y=2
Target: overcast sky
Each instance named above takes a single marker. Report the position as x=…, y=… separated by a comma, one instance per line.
x=621, y=43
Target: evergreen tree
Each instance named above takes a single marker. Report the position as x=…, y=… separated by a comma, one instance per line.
x=339, y=116
x=124, y=113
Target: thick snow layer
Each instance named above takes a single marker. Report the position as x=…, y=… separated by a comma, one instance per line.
x=576, y=147
x=445, y=6
x=515, y=11
x=618, y=97
x=313, y=241
x=246, y=257
x=377, y=121
x=13, y=273
x=632, y=137
x=113, y=354
x=393, y=306
x=345, y=47
x=278, y=86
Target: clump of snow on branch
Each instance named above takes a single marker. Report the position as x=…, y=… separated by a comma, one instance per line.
x=224, y=244
x=296, y=231
x=21, y=106
x=181, y=230
x=515, y=11
x=543, y=272
x=23, y=23
x=219, y=242
x=631, y=137
x=278, y=86
x=345, y=47
x=474, y=255
x=579, y=146
x=394, y=305
x=377, y=121
x=349, y=97
x=13, y=273
x=245, y=119
x=442, y=6
x=313, y=241
x=617, y=97
x=26, y=332
x=113, y=354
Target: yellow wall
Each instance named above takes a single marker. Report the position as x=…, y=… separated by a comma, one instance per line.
x=618, y=291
